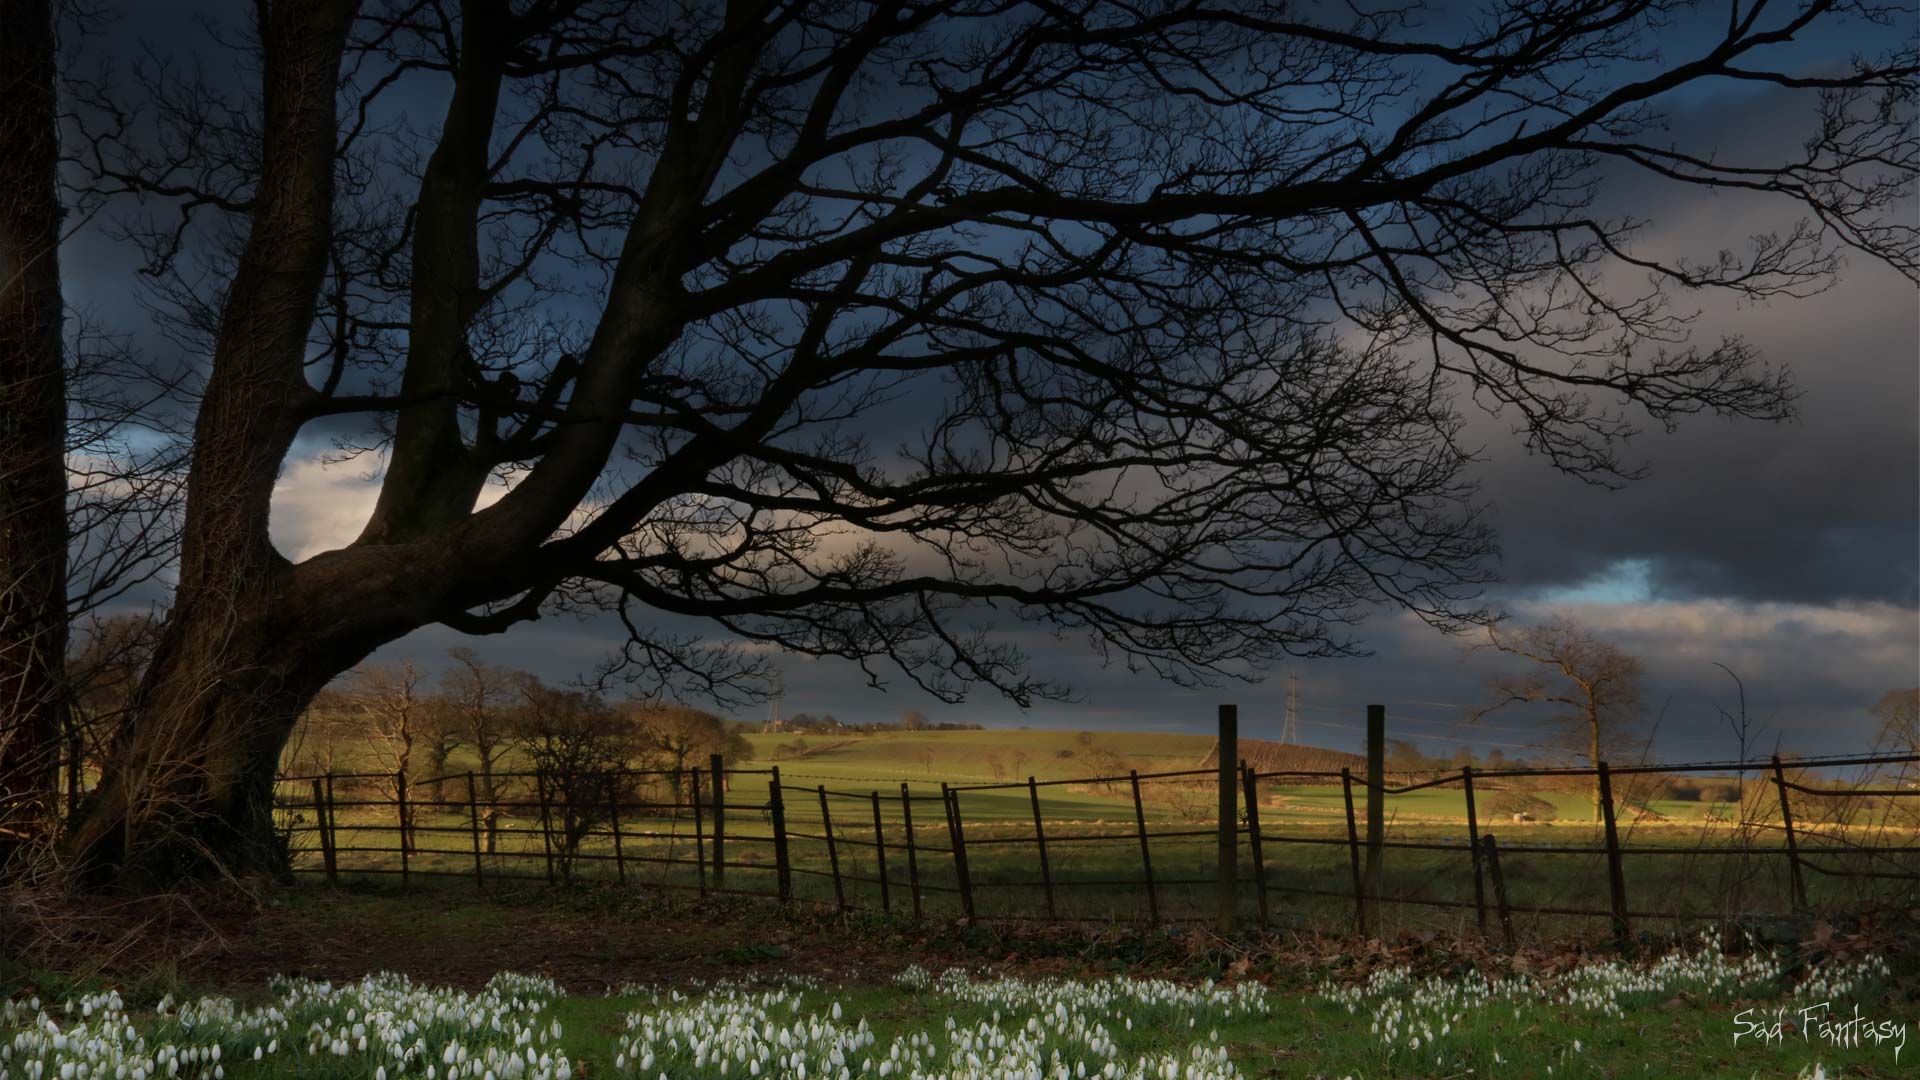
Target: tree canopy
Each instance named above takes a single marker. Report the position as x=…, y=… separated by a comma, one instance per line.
x=851, y=328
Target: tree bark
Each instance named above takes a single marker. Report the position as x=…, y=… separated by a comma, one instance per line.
x=250, y=638
x=33, y=526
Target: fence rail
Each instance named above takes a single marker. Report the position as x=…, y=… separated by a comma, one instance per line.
x=995, y=850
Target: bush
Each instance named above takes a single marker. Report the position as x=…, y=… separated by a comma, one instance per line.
x=1505, y=804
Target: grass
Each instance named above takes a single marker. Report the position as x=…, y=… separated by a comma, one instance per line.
x=1094, y=858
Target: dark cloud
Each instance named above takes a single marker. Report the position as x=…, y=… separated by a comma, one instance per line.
x=1789, y=552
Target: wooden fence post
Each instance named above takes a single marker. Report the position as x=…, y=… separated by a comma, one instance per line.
x=1616, y=876
x=406, y=829
x=718, y=771
x=332, y=849
x=1225, y=877
x=1252, y=783
x=913, y=855
x=1146, y=855
x=1793, y=845
x=613, y=820
x=473, y=818
x=1040, y=840
x=956, y=828
x=320, y=827
x=699, y=832
x=546, y=819
x=880, y=855
x=1376, y=796
x=1353, y=851
x=1499, y=888
x=833, y=853
x=1473, y=844
x=777, y=806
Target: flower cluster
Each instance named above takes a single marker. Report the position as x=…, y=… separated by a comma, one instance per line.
x=378, y=1027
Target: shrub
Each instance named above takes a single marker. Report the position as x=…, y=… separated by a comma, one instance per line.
x=1505, y=804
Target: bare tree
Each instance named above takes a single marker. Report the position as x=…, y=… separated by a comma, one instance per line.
x=913, y=720
x=479, y=700
x=325, y=737
x=579, y=748
x=395, y=717
x=1899, y=714
x=1595, y=684
x=1183, y=301
x=677, y=738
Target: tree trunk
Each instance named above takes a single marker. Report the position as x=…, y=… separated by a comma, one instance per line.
x=189, y=787
x=1598, y=814
x=33, y=526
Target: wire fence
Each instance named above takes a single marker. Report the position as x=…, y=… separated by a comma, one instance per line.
x=1187, y=845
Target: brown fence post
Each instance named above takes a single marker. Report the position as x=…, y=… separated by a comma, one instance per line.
x=546, y=819
x=406, y=830
x=320, y=827
x=1376, y=796
x=1499, y=888
x=1252, y=784
x=699, y=832
x=613, y=821
x=332, y=850
x=956, y=829
x=1793, y=845
x=1146, y=855
x=473, y=818
x=718, y=772
x=913, y=855
x=1616, y=876
x=880, y=855
x=1040, y=841
x=1226, y=876
x=1353, y=851
x=1473, y=845
x=777, y=806
x=833, y=852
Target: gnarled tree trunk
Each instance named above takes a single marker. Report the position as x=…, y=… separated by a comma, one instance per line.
x=189, y=781
x=33, y=526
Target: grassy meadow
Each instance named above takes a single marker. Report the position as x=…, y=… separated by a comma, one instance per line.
x=1095, y=866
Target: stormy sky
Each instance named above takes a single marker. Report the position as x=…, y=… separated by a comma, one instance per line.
x=1789, y=553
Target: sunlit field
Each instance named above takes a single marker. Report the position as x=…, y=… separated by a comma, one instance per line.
x=1675, y=1015
x=1096, y=866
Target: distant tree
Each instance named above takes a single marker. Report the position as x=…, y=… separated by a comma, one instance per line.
x=479, y=701
x=1109, y=765
x=578, y=747
x=1018, y=763
x=926, y=756
x=1899, y=714
x=1595, y=685
x=1496, y=758
x=995, y=764
x=913, y=720
x=678, y=738
x=1085, y=739
x=1404, y=756
x=390, y=707
x=324, y=736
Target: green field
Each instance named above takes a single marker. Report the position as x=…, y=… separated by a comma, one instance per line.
x=1095, y=867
